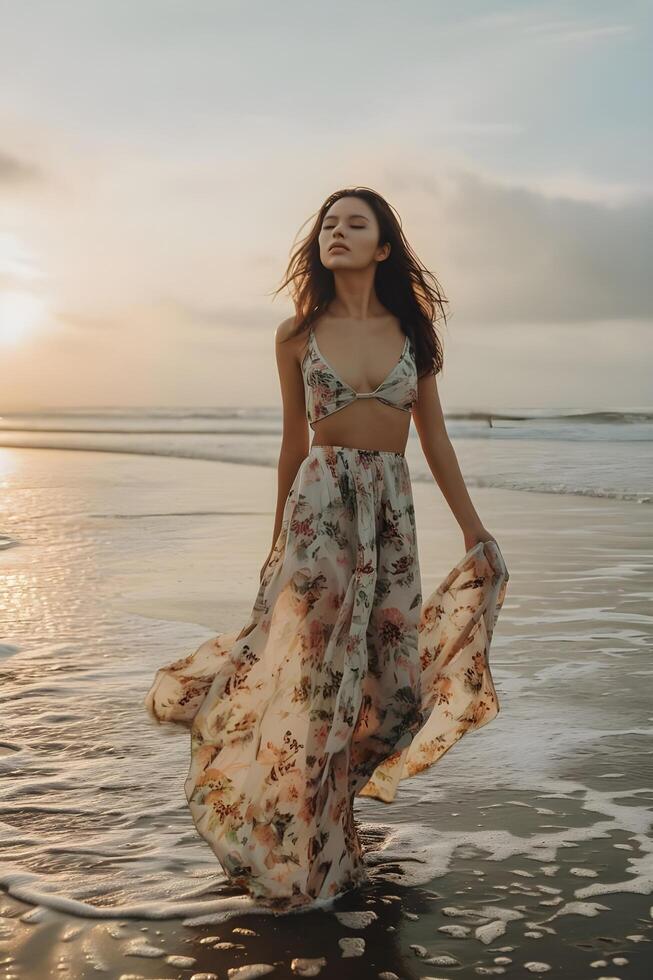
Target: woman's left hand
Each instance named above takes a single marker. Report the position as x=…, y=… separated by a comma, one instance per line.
x=480, y=534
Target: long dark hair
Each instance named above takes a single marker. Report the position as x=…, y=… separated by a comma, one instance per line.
x=402, y=283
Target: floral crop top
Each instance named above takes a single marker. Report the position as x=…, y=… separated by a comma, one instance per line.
x=327, y=393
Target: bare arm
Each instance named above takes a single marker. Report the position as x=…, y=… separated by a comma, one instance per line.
x=295, y=438
x=442, y=460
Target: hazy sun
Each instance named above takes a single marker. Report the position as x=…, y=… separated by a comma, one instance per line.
x=20, y=309
x=19, y=315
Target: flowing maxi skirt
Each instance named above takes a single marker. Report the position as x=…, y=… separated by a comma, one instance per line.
x=342, y=683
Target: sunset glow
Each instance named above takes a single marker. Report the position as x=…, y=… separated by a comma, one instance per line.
x=20, y=315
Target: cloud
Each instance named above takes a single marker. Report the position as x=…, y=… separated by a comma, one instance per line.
x=14, y=171
x=518, y=254
x=85, y=322
x=520, y=23
x=218, y=316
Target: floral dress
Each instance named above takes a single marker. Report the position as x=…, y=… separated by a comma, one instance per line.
x=343, y=682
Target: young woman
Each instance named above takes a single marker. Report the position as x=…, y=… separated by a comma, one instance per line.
x=343, y=681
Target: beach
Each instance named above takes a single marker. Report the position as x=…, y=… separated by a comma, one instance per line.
x=526, y=850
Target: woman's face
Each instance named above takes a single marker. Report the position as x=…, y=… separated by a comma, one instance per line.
x=351, y=223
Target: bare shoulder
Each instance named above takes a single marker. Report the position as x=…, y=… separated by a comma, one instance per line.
x=288, y=343
x=285, y=329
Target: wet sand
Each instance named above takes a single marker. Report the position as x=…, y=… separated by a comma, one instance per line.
x=531, y=837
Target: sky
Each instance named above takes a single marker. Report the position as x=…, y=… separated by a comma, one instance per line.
x=159, y=159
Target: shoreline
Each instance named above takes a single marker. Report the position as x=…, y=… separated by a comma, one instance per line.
x=545, y=809
x=268, y=459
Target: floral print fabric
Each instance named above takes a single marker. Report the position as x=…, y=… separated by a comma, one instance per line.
x=342, y=683
x=325, y=392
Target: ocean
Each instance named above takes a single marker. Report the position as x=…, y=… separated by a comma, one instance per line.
x=588, y=452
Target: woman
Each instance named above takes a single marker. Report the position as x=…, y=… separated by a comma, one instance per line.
x=343, y=681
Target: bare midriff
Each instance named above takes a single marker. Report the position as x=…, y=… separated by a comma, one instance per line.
x=365, y=423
